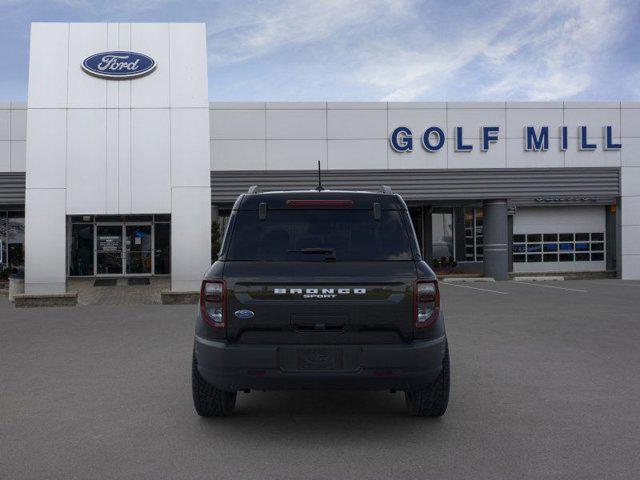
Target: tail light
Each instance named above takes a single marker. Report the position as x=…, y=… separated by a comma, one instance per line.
x=212, y=299
x=426, y=303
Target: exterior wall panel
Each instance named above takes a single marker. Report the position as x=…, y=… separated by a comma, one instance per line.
x=13, y=134
x=109, y=147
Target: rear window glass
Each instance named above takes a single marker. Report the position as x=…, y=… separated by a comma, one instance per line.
x=315, y=235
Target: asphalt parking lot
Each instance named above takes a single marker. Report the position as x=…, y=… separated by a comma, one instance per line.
x=546, y=384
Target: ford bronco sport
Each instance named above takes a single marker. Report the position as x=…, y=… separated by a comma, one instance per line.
x=320, y=289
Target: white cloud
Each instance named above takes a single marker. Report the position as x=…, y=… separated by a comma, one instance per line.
x=406, y=50
x=262, y=29
x=560, y=51
x=545, y=51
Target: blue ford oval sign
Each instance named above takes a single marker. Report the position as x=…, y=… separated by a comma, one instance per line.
x=244, y=313
x=118, y=65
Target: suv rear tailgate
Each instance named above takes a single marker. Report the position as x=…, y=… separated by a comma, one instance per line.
x=320, y=302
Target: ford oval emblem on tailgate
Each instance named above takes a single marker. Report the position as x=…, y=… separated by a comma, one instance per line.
x=244, y=313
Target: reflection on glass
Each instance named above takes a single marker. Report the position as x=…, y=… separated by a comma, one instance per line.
x=109, y=249
x=81, y=262
x=469, y=238
x=162, y=248
x=109, y=263
x=15, y=240
x=138, y=245
x=442, y=231
x=479, y=234
x=473, y=230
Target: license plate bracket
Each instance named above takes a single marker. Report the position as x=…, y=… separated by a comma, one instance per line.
x=320, y=358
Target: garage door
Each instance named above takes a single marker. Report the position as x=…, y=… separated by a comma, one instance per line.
x=559, y=239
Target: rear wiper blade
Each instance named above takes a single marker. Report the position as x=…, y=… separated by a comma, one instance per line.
x=330, y=253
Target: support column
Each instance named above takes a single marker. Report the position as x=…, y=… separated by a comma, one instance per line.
x=45, y=241
x=496, y=261
x=190, y=237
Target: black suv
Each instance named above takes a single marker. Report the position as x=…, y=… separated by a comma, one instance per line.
x=320, y=289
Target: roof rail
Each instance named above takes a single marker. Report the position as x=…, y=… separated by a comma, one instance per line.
x=253, y=189
x=386, y=190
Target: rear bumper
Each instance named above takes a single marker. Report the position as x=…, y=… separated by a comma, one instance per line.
x=361, y=367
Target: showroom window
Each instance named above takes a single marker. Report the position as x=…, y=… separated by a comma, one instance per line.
x=558, y=247
x=120, y=245
x=12, y=241
x=442, y=233
x=473, y=228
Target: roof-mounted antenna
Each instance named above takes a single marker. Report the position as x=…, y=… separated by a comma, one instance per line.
x=319, y=179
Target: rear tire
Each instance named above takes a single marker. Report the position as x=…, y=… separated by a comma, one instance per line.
x=433, y=400
x=207, y=399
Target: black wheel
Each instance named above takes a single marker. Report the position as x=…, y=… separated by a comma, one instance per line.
x=432, y=401
x=207, y=399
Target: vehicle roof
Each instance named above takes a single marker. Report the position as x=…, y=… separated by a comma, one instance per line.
x=361, y=199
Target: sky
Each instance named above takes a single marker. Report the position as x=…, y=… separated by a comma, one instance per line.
x=377, y=50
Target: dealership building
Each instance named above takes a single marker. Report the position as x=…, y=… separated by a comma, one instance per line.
x=117, y=164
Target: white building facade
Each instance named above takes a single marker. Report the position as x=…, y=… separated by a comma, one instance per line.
x=121, y=176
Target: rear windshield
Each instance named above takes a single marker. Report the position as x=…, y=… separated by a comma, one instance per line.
x=319, y=235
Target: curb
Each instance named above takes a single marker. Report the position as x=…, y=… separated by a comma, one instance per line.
x=25, y=300
x=179, y=298
x=468, y=279
x=549, y=278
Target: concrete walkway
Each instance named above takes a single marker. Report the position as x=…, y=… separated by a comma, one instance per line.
x=120, y=294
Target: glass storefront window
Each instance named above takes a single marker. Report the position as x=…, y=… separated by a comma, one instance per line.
x=109, y=249
x=126, y=246
x=139, y=248
x=558, y=247
x=469, y=237
x=442, y=234
x=15, y=240
x=479, y=234
x=81, y=250
x=162, y=248
x=218, y=229
x=473, y=234
x=3, y=242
